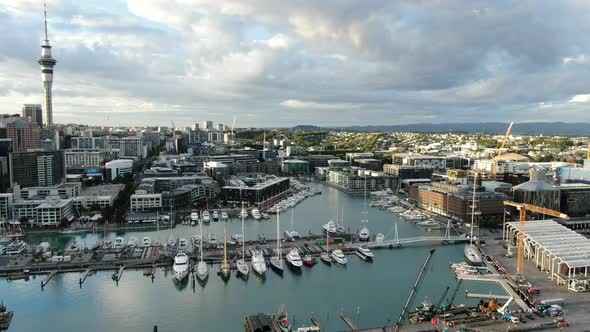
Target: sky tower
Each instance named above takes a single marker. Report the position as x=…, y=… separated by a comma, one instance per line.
x=47, y=62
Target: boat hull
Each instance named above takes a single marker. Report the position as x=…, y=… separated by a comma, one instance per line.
x=472, y=255
x=278, y=267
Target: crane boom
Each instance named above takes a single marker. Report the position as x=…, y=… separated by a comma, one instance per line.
x=504, y=141
x=413, y=290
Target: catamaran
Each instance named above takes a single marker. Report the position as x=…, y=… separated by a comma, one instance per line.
x=224, y=268
x=241, y=265
x=472, y=255
x=276, y=262
x=202, y=270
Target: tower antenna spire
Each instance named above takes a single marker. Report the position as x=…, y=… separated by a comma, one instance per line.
x=45, y=20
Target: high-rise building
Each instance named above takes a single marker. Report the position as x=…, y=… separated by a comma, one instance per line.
x=47, y=62
x=207, y=125
x=23, y=133
x=196, y=126
x=34, y=112
x=220, y=127
x=37, y=168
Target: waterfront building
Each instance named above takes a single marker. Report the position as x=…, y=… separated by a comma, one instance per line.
x=454, y=201
x=34, y=112
x=53, y=211
x=254, y=190
x=37, y=168
x=98, y=196
x=408, y=172
x=369, y=163
x=318, y=160
x=63, y=190
x=354, y=179
x=6, y=202
x=160, y=172
x=141, y=201
x=295, y=167
x=414, y=159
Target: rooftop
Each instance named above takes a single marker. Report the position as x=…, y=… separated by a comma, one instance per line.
x=102, y=190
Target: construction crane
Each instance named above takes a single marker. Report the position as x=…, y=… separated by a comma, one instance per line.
x=440, y=301
x=504, y=141
x=523, y=208
x=450, y=303
x=413, y=291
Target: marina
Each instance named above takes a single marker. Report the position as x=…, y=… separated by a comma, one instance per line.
x=315, y=291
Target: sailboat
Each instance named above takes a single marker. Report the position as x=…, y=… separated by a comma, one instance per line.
x=325, y=256
x=224, y=269
x=472, y=255
x=291, y=235
x=202, y=270
x=364, y=233
x=276, y=262
x=243, y=269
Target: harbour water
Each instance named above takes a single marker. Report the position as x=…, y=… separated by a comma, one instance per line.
x=370, y=293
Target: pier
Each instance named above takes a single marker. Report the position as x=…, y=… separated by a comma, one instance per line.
x=348, y=322
x=487, y=296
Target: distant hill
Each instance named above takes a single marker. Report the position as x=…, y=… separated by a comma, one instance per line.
x=531, y=128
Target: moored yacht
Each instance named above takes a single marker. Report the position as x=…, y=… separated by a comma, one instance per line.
x=206, y=217
x=119, y=243
x=258, y=263
x=215, y=216
x=237, y=238
x=180, y=266
x=428, y=223
x=182, y=245
x=146, y=241
x=330, y=228
x=256, y=214
x=244, y=213
x=294, y=259
x=472, y=255
x=339, y=257
x=364, y=234
x=211, y=239
x=132, y=243
x=276, y=262
x=224, y=215
x=308, y=260
x=171, y=243
x=364, y=253
x=202, y=270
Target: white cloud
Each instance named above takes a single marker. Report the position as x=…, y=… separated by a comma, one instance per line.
x=583, y=98
x=279, y=41
x=301, y=104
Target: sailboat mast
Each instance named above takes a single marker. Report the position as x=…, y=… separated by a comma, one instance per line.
x=224, y=246
x=243, y=235
x=473, y=208
x=201, y=242
x=292, y=211
x=278, y=235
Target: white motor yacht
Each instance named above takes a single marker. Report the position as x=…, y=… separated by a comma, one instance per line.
x=119, y=243
x=364, y=253
x=132, y=242
x=428, y=223
x=146, y=241
x=294, y=259
x=258, y=262
x=171, y=243
x=215, y=216
x=182, y=245
x=194, y=216
x=256, y=214
x=202, y=271
x=330, y=228
x=364, y=234
x=74, y=246
x=237, y=238
x=379, y=238
x=206, y=217
x=180, y=266
x=224, y=215
x=244, y=213
x=339, y=257
x=211, y=239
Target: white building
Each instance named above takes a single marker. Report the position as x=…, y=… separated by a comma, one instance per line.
x=53, y=211
x=102, y=196
x=118, y=167
x=142, y=201
x=84, y=157
x=6, y=202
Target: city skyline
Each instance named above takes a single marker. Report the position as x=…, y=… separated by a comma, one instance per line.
x=332, y=64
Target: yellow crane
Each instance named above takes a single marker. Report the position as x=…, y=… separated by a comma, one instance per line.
x=523, y=208
x=495, y=160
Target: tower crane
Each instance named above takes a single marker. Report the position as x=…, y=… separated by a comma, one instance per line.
x=497, y=157
x=523, y=208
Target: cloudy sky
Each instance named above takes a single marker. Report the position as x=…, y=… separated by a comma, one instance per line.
x=282, y=63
